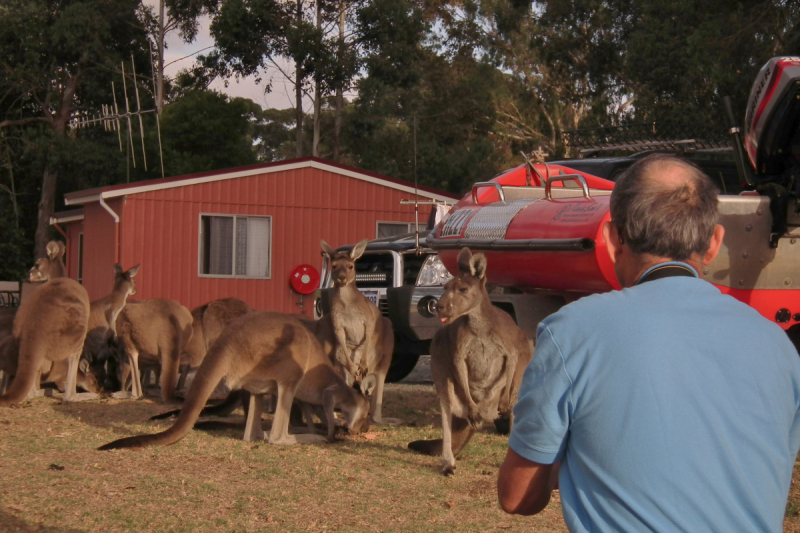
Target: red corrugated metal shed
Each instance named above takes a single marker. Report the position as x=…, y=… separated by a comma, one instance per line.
x=159, y=226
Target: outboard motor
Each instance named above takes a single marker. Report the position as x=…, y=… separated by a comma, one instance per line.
x=772, y=140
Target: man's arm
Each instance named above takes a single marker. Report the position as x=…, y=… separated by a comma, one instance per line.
x=524, y=487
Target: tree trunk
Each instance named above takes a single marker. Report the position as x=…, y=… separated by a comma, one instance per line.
x=317, y=93
x=298, y=92
x=47, y=205
x=337, y=120
x=298, y=97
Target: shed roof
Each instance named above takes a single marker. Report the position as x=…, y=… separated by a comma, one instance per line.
x=63, y=217
x=111, y=191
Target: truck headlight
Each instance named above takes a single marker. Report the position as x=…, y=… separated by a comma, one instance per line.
x=433, y=272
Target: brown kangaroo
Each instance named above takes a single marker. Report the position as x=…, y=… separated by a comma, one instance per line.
x=265, y=353
x=357, y=338
x=156, y=331
x=51, y=266
x=208, y=321
x=477, y=360
x=45, y=269
x=50, y=325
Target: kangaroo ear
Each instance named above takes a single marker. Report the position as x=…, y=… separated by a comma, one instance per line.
x=118, y=269
x=54, y=249
x=368, y=385
x=477, y=266
x=327, y=248
x=83, y=366
x=464, y=257
x=132, y=271
x=358, y=249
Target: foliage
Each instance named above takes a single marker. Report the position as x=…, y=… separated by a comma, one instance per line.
x=205, y=130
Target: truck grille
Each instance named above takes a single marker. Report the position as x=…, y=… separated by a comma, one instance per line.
x=383, y=306
x=375, y=271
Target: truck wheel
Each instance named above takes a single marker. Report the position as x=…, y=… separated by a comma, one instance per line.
x=402, y=365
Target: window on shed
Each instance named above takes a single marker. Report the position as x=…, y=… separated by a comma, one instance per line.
x=390, y=229
x=235, y=246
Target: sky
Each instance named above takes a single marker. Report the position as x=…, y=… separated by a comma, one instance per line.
x=175, y=59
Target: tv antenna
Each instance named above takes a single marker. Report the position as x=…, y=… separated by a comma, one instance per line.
x=110, y=118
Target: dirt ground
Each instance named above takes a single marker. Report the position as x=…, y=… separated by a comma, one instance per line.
x=53, y=479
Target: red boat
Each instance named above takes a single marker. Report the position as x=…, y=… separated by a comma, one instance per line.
x=540, y=226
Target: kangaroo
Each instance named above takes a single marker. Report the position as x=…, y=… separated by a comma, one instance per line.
x=101, y=329
x=51, y=266
x=156, y=331
x=264, y=353
x=50, y=325
x=208, y=321
x=45, y=269
x=354, y=334
x=477, y=360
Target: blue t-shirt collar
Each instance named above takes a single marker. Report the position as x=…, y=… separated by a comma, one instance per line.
x=667, y=264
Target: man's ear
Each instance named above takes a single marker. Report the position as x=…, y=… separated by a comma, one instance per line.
x=613, y=243
x=716, y=244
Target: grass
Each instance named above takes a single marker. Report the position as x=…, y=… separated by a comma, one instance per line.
x=53, y=480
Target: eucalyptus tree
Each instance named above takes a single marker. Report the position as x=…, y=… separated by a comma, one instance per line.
x=57, y=60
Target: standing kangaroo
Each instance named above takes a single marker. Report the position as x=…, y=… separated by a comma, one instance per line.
x=357, y=338
x=45, y=269
x=50, y=325
x=266, y=353
x=156, y=331
x=208, y=322
x=477, y=360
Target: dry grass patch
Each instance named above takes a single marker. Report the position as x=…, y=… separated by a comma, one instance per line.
x=214, y=481
x=55, y=481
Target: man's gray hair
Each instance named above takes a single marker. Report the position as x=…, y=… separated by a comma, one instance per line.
x=653, y=217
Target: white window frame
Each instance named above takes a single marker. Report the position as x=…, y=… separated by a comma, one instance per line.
x=409, y=226
x=200, y=249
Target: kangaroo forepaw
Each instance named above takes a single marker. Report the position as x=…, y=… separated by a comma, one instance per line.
x=448, y=470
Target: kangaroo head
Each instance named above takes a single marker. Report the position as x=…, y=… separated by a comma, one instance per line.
x=123, y=280
x=50, y=266
x=466, y=291
x=356, y=413
x=343, y=264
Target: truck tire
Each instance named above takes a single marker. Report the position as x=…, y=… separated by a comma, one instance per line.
x=402, y=365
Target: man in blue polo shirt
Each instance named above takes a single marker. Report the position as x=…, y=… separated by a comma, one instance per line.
x=665, y=406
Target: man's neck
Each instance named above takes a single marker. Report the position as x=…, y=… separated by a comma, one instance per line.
x=646, y=261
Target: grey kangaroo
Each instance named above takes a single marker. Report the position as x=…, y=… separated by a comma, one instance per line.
x=477, y=360
x=357, y=338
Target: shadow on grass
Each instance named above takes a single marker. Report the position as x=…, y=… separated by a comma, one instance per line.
x=9, y=522
x=114, y=415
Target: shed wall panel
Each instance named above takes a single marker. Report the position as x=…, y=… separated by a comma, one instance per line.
x=99, y=248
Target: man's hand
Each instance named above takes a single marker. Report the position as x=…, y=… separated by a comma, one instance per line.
x=524, y=487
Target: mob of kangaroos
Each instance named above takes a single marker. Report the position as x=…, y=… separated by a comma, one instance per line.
x=336, y=363
x=477, y=360
x=266, y=353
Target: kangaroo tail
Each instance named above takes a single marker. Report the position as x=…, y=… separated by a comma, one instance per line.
x=228, y=405
x=29, y=361
x=213, y=369
x=461, y=434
